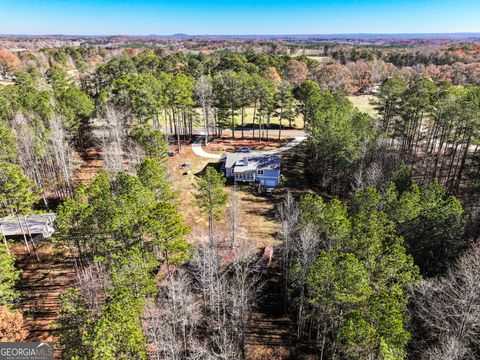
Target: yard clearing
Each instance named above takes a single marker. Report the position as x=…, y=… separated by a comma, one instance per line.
x=257, y=212
x=41, y=284
x=228, y=144
x=363, y=103
x=257, y=216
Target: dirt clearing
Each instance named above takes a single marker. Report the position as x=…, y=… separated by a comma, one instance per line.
x=41, y=284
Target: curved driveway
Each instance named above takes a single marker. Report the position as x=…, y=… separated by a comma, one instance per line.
x=198, y=150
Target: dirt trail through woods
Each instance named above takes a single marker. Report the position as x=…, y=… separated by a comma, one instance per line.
x=270, y=336
x=40, y=285
x=271, y=333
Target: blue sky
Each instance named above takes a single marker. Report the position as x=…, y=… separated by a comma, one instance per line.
x=142, y=17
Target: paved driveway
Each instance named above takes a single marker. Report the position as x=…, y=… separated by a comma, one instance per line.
x=198, y=150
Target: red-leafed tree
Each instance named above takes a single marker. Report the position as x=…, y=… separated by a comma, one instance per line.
x=8, y=62
x=297, y=72
x=12, y=327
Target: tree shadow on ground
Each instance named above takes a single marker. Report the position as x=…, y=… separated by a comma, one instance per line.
x=216, y=165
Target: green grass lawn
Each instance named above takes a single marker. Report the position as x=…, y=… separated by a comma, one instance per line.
x=248, y=116
x=298, y=122
x=362, y=103
x=322, y=59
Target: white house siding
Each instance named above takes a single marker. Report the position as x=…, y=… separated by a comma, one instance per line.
x=245, y=176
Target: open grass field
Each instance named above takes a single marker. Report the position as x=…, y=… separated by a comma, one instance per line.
x=297, y=123
x=248, y=118
x=363, y=103
x=322, y=59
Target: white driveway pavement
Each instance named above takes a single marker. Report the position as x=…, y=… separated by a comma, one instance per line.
x=198, y=150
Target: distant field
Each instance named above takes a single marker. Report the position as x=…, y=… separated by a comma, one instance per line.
x=322, y=59
x=363, y=103
x=297, y=123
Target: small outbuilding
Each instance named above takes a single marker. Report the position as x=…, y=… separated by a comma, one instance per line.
x=36, y=226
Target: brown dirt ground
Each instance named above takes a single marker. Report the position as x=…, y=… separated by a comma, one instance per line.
x=41, y=284
x=229, y=144
x=256, y=211
x=92, y=162
x=183, y=180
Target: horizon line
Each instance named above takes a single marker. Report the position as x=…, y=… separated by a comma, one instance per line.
x=460, y=33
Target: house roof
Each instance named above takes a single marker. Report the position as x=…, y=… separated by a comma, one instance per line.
x=232, y=158
x=255, y=162
x=245, y=168
x=35, y=223
x=267, y=162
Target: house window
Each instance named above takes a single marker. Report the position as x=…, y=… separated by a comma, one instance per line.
x=260, y=172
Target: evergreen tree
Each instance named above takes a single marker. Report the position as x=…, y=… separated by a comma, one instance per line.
x=16, y=195
x=8, y=278
x=154, y=177
x=7, y=144
x=211, y=196
x=355, y=290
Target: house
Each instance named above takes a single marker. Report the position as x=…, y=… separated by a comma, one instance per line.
x=251, y=168
x=37, y=226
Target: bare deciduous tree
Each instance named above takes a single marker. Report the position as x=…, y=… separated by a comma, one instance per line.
x=170, y=323
x=306, y=249
x=288, y=216
x=45, y=154
x=234, y=214
x=244, y=287
x=449, y=308
x=26, y=155
x=229, y=291
x=63, y=153
x=203, y=90
x=449, y=349
x=93, y=282
x=113, y=141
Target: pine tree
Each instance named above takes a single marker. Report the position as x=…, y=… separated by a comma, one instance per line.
x=8, y=277
x=211, y=196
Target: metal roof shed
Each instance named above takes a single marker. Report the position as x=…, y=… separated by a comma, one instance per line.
x=36, y=225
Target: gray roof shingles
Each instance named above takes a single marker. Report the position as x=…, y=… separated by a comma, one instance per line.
x=262, y=162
